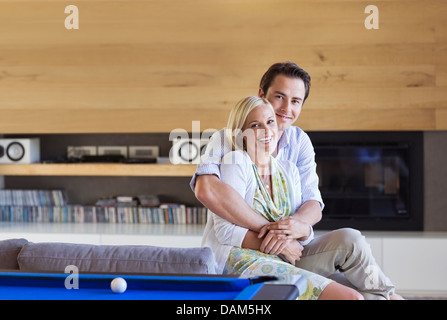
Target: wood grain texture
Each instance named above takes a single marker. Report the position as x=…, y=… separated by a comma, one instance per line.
x=157, y=65
x=94, y=169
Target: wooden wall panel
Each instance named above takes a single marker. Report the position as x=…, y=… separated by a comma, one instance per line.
x=157, y=65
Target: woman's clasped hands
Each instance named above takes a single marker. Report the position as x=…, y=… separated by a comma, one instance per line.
x=280, y=238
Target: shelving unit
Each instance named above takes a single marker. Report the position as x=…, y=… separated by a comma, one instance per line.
x=92, y=170
x=97, y=169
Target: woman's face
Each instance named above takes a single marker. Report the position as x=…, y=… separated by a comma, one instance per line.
x=260, y=132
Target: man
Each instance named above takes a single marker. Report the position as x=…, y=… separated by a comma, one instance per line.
x=287, y=87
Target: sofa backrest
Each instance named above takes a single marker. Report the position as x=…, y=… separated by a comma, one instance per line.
x=9, y=250
x=55, y=257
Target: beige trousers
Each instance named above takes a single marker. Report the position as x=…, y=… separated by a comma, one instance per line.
x=347, y=251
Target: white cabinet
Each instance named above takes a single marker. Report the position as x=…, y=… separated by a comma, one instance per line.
x=416, y=264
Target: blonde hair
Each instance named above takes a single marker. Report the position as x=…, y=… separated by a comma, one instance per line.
x=238, y=115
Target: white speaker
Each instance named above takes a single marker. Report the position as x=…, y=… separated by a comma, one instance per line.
x=187, y=151
x=20, y=150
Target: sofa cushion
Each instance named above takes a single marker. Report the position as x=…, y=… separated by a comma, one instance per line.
x=55, y=257
x=9, y=250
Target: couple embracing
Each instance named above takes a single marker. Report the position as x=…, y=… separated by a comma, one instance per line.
x=258, y=179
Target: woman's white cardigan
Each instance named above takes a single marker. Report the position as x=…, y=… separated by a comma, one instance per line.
x=236, y=170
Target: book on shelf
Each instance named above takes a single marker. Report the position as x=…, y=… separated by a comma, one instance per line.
x=19, y=197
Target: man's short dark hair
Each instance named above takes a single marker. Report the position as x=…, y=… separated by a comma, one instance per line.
x=289, y=69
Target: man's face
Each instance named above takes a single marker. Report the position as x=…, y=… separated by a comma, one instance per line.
x=286, y=95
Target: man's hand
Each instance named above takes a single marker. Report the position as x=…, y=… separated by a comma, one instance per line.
x=292, y=252
x=273, y=243
x=280, y=245
x=286, y=228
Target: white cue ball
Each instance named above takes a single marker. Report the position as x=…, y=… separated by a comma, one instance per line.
x=118, y=285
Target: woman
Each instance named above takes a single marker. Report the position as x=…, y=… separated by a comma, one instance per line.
x=271, y=187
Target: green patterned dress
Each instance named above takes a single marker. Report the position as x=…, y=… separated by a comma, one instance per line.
x=249, y=262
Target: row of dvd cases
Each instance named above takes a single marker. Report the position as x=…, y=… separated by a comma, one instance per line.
x=164, y=214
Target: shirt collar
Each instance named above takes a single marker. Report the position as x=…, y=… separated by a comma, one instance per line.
x=284, y=140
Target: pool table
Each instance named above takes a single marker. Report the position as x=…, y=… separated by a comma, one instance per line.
x=52, y=286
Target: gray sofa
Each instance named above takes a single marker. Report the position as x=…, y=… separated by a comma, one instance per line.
x=21, y=255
